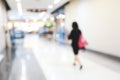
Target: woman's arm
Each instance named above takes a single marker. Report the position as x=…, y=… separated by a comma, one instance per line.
x=70, y=35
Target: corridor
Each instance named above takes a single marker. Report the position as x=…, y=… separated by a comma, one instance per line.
x=40, y=59
x=34, y=42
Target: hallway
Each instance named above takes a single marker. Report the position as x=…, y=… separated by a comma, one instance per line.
x=40, y=59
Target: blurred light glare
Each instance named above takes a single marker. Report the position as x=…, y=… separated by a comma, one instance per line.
x=61, y=16
x=16, y=24
x=23, y=76
x=19, y=6
x=18, y=0
x=9, y=25
x=52, y=18
x=42, y=14
x=56, y=1
x=62, y=24
x=45, y=19
x=34, y=20
x=27, y=20
x=50, y=6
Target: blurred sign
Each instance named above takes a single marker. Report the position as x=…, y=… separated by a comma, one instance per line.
x=60, y=11
x=37, y=10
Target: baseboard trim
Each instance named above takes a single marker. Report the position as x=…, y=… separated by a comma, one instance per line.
x=104, y=54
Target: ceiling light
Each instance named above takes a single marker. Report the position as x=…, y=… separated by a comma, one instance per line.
x=50, y=6
x=18, y=0
x=19, y=6
x=56, y=1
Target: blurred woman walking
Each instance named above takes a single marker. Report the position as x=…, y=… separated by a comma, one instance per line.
x=74, y=36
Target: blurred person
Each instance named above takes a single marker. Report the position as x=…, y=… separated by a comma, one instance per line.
x=74, y=36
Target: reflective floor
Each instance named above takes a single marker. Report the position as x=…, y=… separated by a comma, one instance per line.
x=25, y=66
x=40, y=59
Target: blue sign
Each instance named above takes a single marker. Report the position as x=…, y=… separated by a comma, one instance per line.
x=60, y=11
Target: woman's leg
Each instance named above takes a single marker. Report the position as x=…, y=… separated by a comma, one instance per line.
x=76, y=58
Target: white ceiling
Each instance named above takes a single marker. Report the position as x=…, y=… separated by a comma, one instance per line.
x=30, y=4
x=26, y=4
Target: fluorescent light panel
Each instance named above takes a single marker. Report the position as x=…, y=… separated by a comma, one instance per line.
x=18, y=0
x=19, y=6
x=56, y=1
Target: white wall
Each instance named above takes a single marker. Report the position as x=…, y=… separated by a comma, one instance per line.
x=99, y=21
x=2, y=25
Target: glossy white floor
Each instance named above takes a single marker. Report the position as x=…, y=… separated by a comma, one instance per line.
x=55, y=62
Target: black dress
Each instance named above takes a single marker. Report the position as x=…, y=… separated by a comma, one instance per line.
x=74, y=36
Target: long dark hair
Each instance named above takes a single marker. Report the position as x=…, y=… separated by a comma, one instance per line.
x=75, y=26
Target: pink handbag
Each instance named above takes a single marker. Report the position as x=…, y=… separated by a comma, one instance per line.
x=82, y=43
